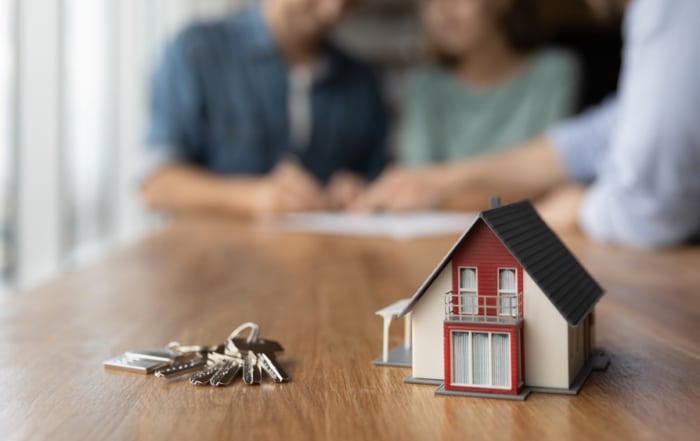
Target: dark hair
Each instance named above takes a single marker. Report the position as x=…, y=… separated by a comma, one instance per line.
x=520, y=25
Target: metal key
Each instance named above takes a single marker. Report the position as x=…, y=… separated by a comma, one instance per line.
x=181, y=368
x=264, y=351
x=131, y=364
x=272, y=368
x=202, y=378
x=251, y=369
x=226, y=374
x=215, y=362
x=180, y=351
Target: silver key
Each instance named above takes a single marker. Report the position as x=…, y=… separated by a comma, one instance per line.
x=226, y=374
x=251, y=369
x=184, y=351
x=141, y=365
x=181, y=368
x=202, y=378
x=214, y=364
x=272, y=368
x=265, y=352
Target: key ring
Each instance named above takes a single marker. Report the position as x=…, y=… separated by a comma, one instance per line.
x=254, y=332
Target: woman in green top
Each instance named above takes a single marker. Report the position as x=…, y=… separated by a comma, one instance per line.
x=489, y=89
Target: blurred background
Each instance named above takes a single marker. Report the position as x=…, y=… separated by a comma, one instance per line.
x=74, y=77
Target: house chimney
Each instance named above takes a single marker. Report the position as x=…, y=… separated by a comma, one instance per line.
x=495, y=202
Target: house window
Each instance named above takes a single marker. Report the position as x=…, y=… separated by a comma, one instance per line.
x=481, y=359
x=467, y=291
x=507, y=293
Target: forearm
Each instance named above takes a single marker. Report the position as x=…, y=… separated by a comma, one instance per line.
x=527, y=171
x=183, y=189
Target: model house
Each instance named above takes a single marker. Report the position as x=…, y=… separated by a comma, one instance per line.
x=507, y=311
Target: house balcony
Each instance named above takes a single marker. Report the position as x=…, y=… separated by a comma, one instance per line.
x=505, y=308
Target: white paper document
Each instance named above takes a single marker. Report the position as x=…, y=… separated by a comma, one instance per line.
x=396, y=226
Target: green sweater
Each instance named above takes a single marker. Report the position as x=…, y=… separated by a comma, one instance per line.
x=446, y=119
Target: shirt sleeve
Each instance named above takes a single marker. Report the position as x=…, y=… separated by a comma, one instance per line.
x=377, y=158
x=647, y=194
x=582, y=142
x=175, y=101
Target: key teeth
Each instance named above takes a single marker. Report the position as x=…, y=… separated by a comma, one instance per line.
x=272, y=368
x=202, y=378
x=226, y=374
x=181, y=368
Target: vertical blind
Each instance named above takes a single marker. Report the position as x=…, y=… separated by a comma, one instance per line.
x=7, y=152
x=460, y=358
x=74, y=79
x=507, y=293
x=467, y=291
x=501, y=360
x=89, y=132
x=480, y=357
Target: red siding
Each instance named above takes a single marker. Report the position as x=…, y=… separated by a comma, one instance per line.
x=485, y=252
x=513, y=330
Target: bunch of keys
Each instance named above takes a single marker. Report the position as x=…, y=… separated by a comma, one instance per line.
x=217, y=365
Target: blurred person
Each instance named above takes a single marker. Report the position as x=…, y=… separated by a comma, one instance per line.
x=490, y=88
x=259, y=113
x=626, y=172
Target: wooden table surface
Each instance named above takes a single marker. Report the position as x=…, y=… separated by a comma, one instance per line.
x=196, y=281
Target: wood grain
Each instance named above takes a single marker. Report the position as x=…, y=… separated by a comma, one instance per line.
x=197, y=280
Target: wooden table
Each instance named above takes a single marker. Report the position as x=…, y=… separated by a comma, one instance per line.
x=196, y=281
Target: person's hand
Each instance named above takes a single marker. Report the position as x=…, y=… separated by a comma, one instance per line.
x=560, y=207
x=288, y=188
x=402, y=189
x=343, y=189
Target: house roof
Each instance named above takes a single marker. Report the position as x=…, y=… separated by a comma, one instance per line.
x=541, y=253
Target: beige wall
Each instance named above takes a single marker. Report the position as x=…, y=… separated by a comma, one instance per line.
x=428, y=318
x=546, y=340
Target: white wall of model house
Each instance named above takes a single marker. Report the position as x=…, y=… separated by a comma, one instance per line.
x=428, y=330
x=545, y=338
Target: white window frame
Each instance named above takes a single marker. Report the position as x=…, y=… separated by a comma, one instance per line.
x=470, y=353
x=511, y=308
x=468, y=298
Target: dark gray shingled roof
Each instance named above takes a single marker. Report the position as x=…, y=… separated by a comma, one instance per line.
x=541, y=253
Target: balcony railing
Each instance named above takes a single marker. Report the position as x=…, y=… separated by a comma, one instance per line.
x=501, y=308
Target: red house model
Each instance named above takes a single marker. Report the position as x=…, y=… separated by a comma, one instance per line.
x=508, y=310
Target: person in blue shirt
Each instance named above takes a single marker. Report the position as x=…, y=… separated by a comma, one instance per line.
x=259, y=113
x=626, y=172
